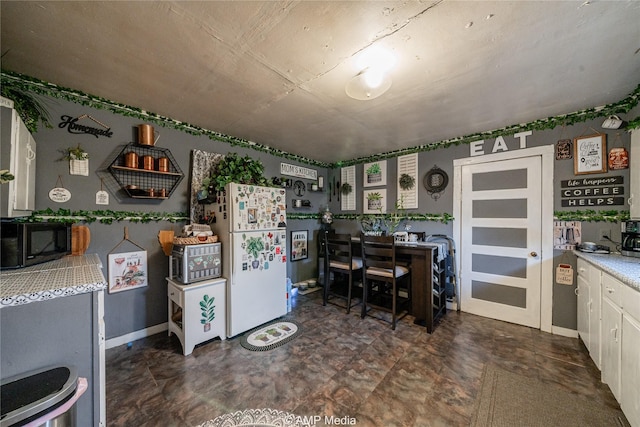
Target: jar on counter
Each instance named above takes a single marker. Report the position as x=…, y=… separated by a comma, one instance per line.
x=148, y=162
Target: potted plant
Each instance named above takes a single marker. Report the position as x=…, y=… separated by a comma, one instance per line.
x=5, y=176
x=406, y=181
x=233, y=168
x=393, y=219
x=78, y=160
x=346, y=189
x=374, y=173
x=371, y=225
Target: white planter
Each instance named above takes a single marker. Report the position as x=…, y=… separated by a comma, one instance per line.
x=79, y=167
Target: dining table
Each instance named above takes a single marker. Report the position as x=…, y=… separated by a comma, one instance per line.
x=428, y=279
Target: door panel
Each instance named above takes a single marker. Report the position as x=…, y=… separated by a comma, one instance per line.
x=501, y=240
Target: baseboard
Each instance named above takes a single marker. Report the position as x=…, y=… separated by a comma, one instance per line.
x=137, y=335
x=557, y=330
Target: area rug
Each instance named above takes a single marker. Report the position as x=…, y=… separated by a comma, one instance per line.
x=508, y=399
x=255, y=418
x=270, y=336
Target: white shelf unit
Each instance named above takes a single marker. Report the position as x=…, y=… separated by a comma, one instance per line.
x=197, y=312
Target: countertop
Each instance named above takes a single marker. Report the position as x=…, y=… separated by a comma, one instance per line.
x=624, y=268
x=71, y=275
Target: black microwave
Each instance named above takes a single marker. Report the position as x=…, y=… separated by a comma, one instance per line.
x=28, y=243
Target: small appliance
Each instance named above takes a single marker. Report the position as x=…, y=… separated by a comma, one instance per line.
x=28, y=243
x=194, y=263
x=630, y=238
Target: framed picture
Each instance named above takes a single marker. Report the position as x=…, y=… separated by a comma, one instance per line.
x=375, y=201
x=127, y=271
x=375, y=174
x=299, y=245
x=589, y=154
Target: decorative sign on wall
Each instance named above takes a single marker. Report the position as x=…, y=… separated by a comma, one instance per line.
x=564, y=274
x=73, y=127
x=564, y=149
x=566, y=234
x=375, y=201
x=298, y=171
x=59, y=194
x=589, y=154
x=606, y=191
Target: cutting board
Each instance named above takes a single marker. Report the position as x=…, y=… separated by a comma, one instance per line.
x=165, y=237
x=80, y=239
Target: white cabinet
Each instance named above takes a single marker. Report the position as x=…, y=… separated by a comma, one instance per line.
x=19, y=147
x=630, y=356
x=634, y=174
x=588, y=292
x=197, y=312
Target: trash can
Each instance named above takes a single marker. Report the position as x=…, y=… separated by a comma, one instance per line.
x=45, y=397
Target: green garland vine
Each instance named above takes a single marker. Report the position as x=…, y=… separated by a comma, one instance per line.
x=444, y=218
x=591, y=215
x=26, y=83
x=103, y=216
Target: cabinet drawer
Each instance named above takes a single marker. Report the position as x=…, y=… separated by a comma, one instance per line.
x=175, y=294
x=612, y=289
x=631, y=302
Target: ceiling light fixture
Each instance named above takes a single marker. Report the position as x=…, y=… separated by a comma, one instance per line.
x=372, y=80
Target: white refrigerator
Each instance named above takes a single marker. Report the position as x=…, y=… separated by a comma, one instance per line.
x=251, y=225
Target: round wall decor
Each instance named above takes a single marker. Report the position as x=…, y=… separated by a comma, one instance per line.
x=435, y=181
x=299, y=188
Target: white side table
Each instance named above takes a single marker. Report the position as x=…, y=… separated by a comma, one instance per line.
x=197, y=312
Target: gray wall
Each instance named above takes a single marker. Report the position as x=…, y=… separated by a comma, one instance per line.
x=136, y=309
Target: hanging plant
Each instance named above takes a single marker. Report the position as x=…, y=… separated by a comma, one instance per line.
x=5, y=176
x=28, y=107
x=406, y=181
x=74, y=153
x=346, y=189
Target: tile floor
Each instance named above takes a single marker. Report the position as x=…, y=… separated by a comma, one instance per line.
x=344, y=366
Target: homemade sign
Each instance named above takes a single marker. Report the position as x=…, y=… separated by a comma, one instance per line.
x=72, y=126
x=606, y=191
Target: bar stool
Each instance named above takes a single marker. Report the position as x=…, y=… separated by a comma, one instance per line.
x=383, y=278
x=341, y=262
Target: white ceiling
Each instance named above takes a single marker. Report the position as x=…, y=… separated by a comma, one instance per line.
x=275, y=72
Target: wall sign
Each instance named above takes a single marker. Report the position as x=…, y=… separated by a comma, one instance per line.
x=298, y=171
x=606, y=191
x=589, y=154
x=72, y=126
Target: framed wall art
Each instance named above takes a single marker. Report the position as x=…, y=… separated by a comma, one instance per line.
x=299, y=245
x=589, y=154
x=127, y=271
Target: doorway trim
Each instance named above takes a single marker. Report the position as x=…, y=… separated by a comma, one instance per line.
x=546, y=153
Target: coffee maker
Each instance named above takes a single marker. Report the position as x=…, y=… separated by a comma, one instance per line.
x=630, y=238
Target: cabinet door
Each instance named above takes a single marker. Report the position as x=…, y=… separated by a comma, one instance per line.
x=24, y=164
x=611, y=345
x=634, y=175
x=630, y=367
x=595, y=301
x=582, y=291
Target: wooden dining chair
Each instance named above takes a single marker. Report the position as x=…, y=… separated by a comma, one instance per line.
x=386, y=282
x=342, y=266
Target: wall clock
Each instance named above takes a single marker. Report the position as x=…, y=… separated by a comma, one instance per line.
x=435, y=181
x=299, y=188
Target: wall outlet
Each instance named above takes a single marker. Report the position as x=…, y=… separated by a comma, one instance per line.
x=604, y=234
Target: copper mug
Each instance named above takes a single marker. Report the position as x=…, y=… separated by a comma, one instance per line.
x=163, y=164
x=147, y=162
x=145, y=135
x=131, y=160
